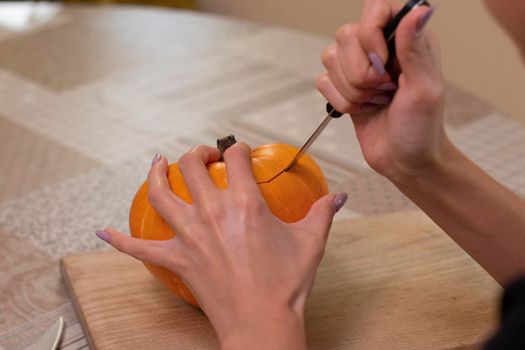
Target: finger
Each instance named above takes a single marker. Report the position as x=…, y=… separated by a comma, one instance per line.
x=357, y=66
x=363, y=114
x=171, y=208
x=329, y=91
x=417, y=52
x=375, y=17
x=192, y=165
x=162, y=253
x=239, y=168
x=332, y=62
x=321, y=214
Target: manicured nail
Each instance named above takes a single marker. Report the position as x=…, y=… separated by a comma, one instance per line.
x=103, y=235
x=388, y=86
x=377, y=63
x=340, y=200
x=424, y=18
x=156, y=158
x=381, y=99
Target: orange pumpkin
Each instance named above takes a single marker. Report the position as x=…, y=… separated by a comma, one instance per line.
x=289, y=196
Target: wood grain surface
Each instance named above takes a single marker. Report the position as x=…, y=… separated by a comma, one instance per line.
x=387, y=282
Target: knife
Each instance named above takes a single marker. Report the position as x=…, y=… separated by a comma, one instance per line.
x=50, y=339
x=389, y=34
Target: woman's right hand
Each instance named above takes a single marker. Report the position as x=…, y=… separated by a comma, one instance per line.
x=399, y=125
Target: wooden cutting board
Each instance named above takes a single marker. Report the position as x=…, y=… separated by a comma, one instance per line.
x=387, y=282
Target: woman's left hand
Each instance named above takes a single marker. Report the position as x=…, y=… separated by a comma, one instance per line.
x=250, y=272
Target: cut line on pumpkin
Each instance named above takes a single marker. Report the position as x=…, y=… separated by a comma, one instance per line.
x=226, y=142
x=273, y=178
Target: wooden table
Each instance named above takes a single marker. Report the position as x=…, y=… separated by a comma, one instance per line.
x=89, y=94
x=393, y=281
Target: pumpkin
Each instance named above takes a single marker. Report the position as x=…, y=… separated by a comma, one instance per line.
x=289, y=195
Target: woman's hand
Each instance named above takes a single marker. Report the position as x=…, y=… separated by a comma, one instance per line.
x=250, y=272
x=402, y=136
x=399, y=125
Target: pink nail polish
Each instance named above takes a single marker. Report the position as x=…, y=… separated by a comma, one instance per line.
x=103, y=235
x=340, y=200
x=377, y=63
x=424, y=18
x=156, y=158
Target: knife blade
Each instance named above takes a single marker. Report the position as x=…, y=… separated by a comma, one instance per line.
x=50, y=339
x=389, y=34
x=332, y=113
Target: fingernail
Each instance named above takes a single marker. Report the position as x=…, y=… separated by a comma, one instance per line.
x=388, y=86
x=156, y=158
x=340, y=200
x=381, y=99
x=103, y=235
x=377, y=63
x=424, y=18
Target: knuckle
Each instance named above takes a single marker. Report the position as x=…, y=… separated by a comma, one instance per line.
x=345, y=32
x=357, y=77
x=367, y=31
x=200, y=154
x=200, y=149
x=187, y=159
x=237, y=150
x=329, y=55
x=212, y=211
x=322, y=82
x=362, y=33
x=250, y=204
x=213, y=214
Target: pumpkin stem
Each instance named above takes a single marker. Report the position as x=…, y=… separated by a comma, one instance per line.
x=224, y=143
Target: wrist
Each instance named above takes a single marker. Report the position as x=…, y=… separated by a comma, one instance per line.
x=446, y=158
x=281, y=328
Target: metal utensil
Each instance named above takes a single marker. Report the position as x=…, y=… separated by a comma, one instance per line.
x=389, y=34
x=332, y=113
x=50, y=339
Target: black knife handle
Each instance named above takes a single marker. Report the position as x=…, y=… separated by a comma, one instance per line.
x=390, y=36
x=390, y=29
x=332, y=111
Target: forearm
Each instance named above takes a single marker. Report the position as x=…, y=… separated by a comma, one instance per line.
x=486, y=219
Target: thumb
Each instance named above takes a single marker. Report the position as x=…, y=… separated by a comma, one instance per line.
x=416, y=52
x=160, y=252
x=322, y=212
